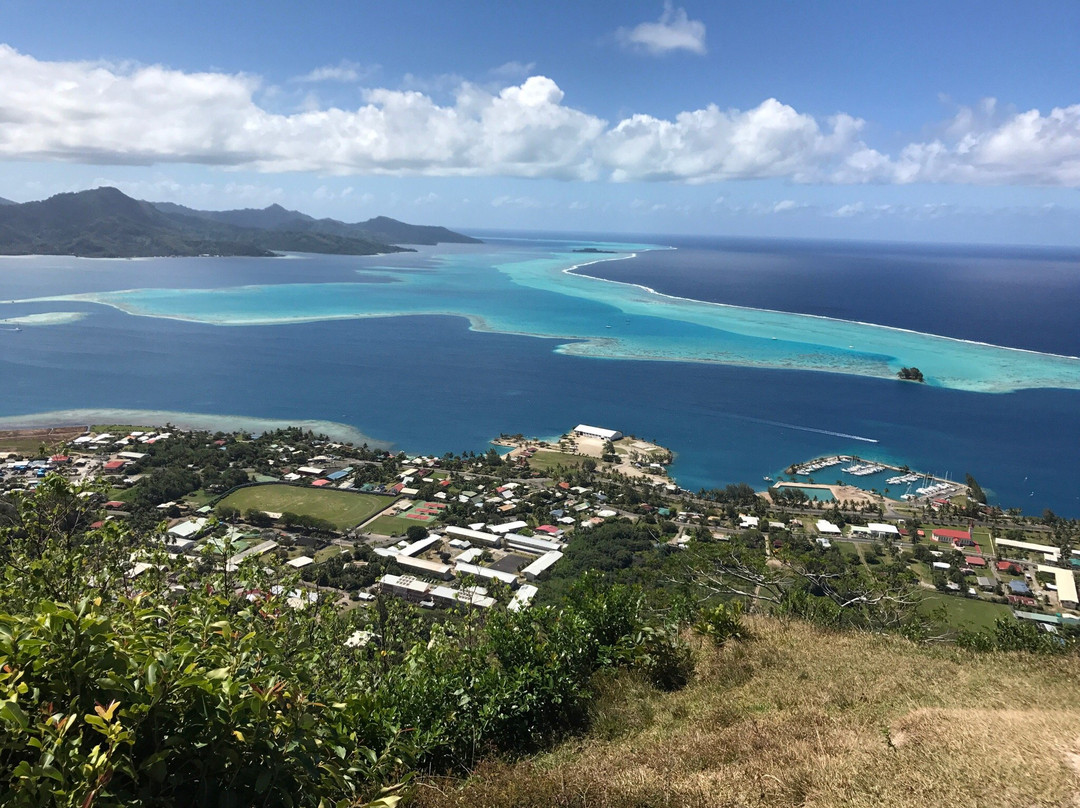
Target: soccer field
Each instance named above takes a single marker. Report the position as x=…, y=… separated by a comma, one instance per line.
x=342, y=509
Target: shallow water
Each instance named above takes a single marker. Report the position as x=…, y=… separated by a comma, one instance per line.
x=366, y=342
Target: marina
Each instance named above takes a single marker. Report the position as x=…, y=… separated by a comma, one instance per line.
x=872, y=476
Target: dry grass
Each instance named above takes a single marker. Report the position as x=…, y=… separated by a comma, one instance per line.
x=800, y=716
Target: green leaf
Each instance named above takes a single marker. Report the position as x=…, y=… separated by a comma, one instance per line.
x=11, y=712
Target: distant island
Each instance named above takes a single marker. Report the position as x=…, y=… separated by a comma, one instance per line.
x=595, y=250
x=910, y=375
x=106, y=223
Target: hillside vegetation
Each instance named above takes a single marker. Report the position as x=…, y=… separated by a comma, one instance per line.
x=799, y=715
x=106, y=223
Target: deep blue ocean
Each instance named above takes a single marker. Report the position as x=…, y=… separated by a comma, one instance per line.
x=428, y=383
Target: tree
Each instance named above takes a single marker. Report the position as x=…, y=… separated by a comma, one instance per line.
x=416, y=532
x=975, y=490
x=911, y=374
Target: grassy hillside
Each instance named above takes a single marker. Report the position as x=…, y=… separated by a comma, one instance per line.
x=803, y=716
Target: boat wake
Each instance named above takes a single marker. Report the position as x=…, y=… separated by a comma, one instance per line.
x=784, y=425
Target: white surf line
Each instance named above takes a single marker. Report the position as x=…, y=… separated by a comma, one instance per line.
x=897, y=329
x=804, y=428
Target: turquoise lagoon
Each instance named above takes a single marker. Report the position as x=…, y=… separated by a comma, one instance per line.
x=443, y=349
x=531, y=289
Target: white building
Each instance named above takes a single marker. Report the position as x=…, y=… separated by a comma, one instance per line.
x=507, y=578
x=531, y=544
x=597, y=432
x=476, y=536
x=422, y=566
x=522, y=598
x=541, y=565
x=508, y=527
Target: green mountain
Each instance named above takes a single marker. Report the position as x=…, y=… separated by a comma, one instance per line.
x=106, y=223
x=275, y=217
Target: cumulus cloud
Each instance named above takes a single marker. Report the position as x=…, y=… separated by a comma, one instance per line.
x=110, y=114
x=707, y=145
x=672, y=32
x=983, y=147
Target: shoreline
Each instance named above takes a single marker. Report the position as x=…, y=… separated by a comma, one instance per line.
x=56, y=419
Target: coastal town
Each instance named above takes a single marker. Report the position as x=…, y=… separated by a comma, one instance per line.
x=347, y=524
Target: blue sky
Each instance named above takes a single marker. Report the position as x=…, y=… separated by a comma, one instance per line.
x=946, y=121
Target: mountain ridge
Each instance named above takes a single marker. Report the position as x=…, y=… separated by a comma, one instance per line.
x=106, y=223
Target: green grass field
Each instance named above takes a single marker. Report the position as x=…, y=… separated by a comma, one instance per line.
x=849, y=550
x=545, y=460
x=961, y=612
x=340, y=508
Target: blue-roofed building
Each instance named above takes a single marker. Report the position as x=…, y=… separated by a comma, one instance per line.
x=1020, y=588
x=337, y=475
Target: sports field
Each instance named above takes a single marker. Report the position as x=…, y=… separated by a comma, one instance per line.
x=341, y=508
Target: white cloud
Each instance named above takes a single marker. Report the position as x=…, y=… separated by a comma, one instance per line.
x=785, y=205
x=515, y=202
x=984, y=148
x=344, y=72
x=108, y=114
x=513, y=70
x=673, y=31
x=707, y=145
x=849, y=210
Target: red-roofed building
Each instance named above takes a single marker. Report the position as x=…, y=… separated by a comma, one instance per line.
x=96, y=525
x=564, y=486
x=950, y=536
x=443, y=483
x=974, y=561
x=115, y=505
x=1008, y=566
x=1020, y=600
x=58, y=459
x=320, y=483
x=549, y=529
x=114, y=466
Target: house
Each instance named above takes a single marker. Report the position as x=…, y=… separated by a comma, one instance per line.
x=1020, y=588
x=825, y=527
x=985, y=583
x=883, y=530
x=1009, y=567
x=975, y=561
